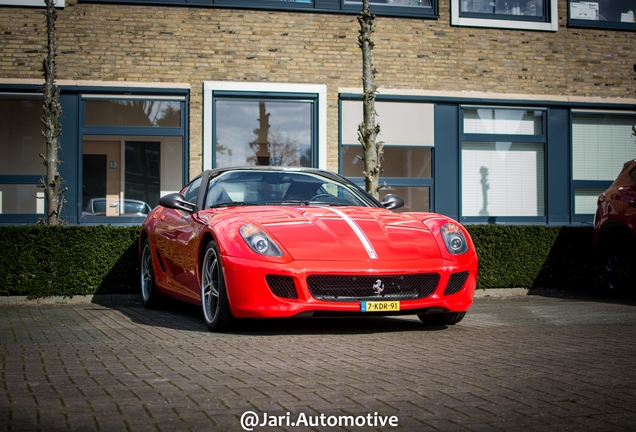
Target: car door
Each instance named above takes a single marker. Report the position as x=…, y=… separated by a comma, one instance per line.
x=177, y=236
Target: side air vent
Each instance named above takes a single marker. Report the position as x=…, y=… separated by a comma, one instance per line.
x=282, y=286
x=455, y=283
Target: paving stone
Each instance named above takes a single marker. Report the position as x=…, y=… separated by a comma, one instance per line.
x=513, y=364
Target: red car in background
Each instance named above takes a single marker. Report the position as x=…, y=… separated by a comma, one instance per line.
x=615, y=232
x=272, y=242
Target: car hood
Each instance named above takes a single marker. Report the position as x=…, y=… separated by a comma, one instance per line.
x=344, y=233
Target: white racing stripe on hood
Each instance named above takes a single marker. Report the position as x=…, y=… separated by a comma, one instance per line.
x=354, y=226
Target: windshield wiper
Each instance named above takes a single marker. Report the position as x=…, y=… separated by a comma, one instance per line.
x=233, y=204
x=283, y=202
x=306, y=203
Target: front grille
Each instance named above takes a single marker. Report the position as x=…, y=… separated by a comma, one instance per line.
x=455, y=283
x=282, y=286
x=352, y=288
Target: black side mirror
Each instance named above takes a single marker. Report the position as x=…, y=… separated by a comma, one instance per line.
x=177, y=201
x=392, y=202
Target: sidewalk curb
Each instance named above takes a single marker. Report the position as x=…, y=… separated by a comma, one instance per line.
x=502, y=292
x=102, y=299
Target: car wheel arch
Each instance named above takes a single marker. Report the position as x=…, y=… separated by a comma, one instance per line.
x=611, y=229
x=143, y=235
x=205, y=239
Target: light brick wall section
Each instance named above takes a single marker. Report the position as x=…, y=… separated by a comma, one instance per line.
x=192, y=45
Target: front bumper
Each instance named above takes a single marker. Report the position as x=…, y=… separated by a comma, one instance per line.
x=251, y=297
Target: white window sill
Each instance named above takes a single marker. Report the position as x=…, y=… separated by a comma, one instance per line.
x=34, y=3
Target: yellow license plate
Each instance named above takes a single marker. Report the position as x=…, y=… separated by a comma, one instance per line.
x=379, y=306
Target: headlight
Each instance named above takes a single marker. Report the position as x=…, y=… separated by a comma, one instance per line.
x=258, y=241
x=454, y=239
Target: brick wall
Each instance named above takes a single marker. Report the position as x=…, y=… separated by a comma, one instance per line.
x=191, y=45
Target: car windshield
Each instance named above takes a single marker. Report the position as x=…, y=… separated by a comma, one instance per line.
x=252, y=187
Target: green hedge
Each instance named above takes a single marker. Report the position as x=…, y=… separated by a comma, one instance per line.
x=66, y=261
x=39, y=261
x=529, y=256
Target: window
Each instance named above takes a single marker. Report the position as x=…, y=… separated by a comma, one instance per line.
x=393, y=7
x=613, y=14
x=512, y=14
x=192, y=192
x=601, y=144
x=405, y=8
x=37, y=3
x=407, y=131
x=132, y=154
x=264, y=124
x=260, y=187
x=263, y=131
x=502, y=163
x=397, y=3
x=135, y=112
x=21, y=143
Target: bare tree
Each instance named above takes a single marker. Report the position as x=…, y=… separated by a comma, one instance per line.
x=368, y=130
x=51, y=121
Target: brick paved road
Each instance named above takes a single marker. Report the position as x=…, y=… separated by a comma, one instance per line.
x=523, y=363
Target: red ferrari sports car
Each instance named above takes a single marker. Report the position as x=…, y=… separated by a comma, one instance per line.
x=274, y=242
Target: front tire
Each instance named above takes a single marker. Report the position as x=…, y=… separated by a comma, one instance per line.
x=442, y=319
x=214, y=302
x=150, y=296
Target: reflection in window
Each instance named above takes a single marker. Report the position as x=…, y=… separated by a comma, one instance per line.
x=503, y=121
x=415, y=198
x=263, y=132
x=119, y=112
x=505, y=8
x=399, y=161
x=503, y=179
x=425, y=3
x=21, y=199
x=21, y=138
x=617, y=11
x=126, y=176
x=142, y=173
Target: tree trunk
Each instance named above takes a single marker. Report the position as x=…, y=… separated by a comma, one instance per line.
x=50, y=120
x=368, y=130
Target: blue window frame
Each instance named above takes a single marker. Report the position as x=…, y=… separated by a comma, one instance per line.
x=503, y=164
x=133, y=151
x=21, y=169
x=406, y=128
x=151, y=151
x=601, y=142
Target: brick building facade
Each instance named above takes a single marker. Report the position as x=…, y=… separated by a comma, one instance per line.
x=176, y=52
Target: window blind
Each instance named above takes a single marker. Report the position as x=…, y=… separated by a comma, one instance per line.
x=503, y=179
x=600, y=145
x=500, y=121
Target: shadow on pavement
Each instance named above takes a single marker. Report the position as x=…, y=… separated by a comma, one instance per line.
x=183, y=316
